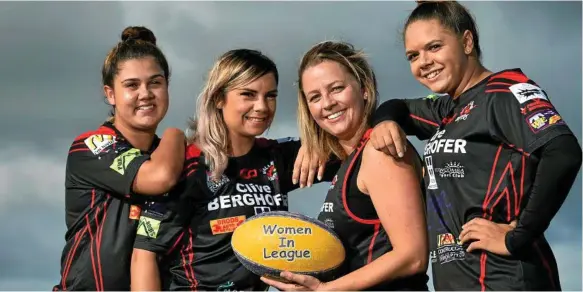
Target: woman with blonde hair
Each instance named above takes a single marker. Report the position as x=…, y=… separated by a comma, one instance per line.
x=230, y=175
x=377, y=199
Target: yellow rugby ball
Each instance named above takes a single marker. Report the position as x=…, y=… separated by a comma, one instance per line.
x=272, y=242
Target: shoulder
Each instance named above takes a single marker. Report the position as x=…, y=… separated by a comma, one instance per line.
x=513, y=86
x=95, y=141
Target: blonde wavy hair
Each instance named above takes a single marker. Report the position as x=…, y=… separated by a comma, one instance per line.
x=315, y=138
x=208, y=130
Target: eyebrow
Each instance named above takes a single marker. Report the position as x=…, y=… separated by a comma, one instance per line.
x=432, y=42
x=151, y=77
x=255, y=91
x=327, y=86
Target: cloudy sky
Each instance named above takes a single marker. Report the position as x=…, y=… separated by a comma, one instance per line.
x=51, y=54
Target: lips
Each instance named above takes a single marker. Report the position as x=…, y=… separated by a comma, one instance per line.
x=146, y=108
x=256, y=119
x=335, y=115
x=433, y=74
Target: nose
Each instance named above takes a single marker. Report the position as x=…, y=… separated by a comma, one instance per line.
x=260, y=104
x=145, y=92
x=425, y=60
x=328, y=102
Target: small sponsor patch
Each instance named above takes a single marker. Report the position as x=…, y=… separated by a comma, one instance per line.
x=121, y=162
x=148, y=227
x=432, y=97
x=135, y=212
x=543, y=119
x=226, y=225
x=536, y=104
x=97, y=143
x=526, y=91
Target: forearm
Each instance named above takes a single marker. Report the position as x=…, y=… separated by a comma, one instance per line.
x=145, y=275
x=170, y=153
x=559, y=164
x=388, y=267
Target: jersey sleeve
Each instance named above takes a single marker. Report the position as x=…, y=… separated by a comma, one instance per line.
x=523, y=117
x=163, y=220
x=287, y=151
x=112, y=168
x=417, y=116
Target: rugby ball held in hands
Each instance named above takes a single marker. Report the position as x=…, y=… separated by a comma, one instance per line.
x=272, y=242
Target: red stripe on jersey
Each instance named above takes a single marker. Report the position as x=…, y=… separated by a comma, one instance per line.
x=92, y=254
x=511, y=75
x=345, y=183
x=497, y=90
x=175, y=243
x=424, y=120
x=377, y=227
x=99, y=230
x=191, y=260
x=192, y=151
x=79, y=149
x=519, y=201
x=483, y=259
x=71, y=255
x=499, y=83
x=546, y=264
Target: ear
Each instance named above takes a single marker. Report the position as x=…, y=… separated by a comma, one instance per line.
x=108, y=92
x=220, y=104
x=468, y=42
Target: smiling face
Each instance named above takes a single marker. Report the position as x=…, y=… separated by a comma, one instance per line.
x=335, y=99
x=248, y=110
x=436, y=55
x=139, y=94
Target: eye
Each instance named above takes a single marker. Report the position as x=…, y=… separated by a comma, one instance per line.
x=411, y=57
x=132, y=85
x=314, y=98
x=434, y=47
x=337, y=89
x=272, y=96
x=247, y=94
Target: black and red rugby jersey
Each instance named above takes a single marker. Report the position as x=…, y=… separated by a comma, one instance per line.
x=352, y=215
x=101, y=211
x=478, y=164
x=194, y=228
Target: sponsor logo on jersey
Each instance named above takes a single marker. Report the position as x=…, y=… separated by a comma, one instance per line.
x=226, y=225
x=135, y=212
x=465, y=112
x=248, y=194
x=97, y=143
x=437, y=145
x=526, y=91
x=536, y=104
x=327, y=207
x=431, y=172
x=543, y=119
x=148, y=227
x=451, y=169
x=155, y=209
x=270, y=171
x=215, y=185
x=121, y=162
x=329, y=222
x=261, y=209
x=229, y=286
x=448, y=249
x=432, y=97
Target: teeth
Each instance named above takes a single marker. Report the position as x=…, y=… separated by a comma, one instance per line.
x=256, y=119
x=432, y=74
x=146, y=107
x=335, y=115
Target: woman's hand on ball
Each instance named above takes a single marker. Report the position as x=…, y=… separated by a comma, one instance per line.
x=297, y=283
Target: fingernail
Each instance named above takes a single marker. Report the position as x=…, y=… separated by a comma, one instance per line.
x=301, y=186
x=401, y=154
x=309, y=185
x=319, y=177
x=294, y=181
